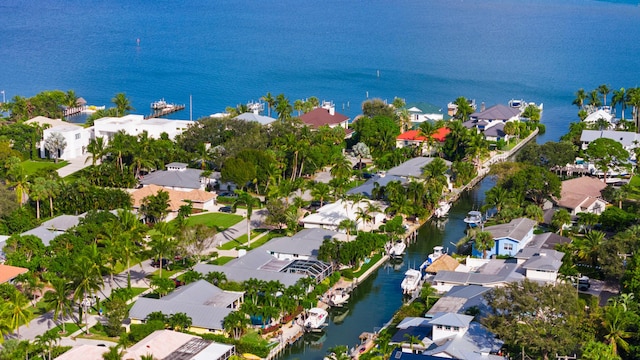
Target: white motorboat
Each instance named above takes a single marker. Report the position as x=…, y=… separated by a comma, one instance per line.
x=397, y=249
x=437, y=252
x=411, y=281
x=339, y=297
x=474, y=218
x=442, y=210
x=159, y=105
x=316, y=319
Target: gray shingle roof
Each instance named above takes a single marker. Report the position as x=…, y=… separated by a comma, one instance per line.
x=249, y=116
x=496, y=130
x=516, y=229
x=187, y=178
x=545, y=260
x=62, y=222
x=367, y=188
x=203, y=293
x=238, y=274
x=496, y=112
x=451, y=319
x=494, y=272
x=627, y=139
x=204, y=316
x=412, y=167
x=306, y=242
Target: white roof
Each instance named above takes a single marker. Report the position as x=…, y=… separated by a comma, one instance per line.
x=600, y=114
x=160, y=343
x=333, y=214
x=84, y=352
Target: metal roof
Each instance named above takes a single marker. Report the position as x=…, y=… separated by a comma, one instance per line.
x=306, y=242
x=627, y=139
x=249, y=116
x=516, y=229
x=366, y=189
x=451, y=319
x=413, y=167
x=203, y=316
x=238, y=274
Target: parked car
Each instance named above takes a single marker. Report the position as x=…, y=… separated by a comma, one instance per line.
x=583, y=283
x=359, y=166
x=162, y=262
x=228, y=194
x=226, y=209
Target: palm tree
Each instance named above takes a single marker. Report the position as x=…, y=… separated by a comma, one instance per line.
x=270, y=100
x=180, y=322
x=604, y=90
x=617, y=322
x=87, y=279
x=464, y=109
x=412, y=339
x=17, y=311
x=37, y=191
x=633, y=99
x=57, y=300
x=348, y=226
x=588, y=247
x=362, y=215
x=320, y=191
x=561, y=218
x=594, y=99
x=97, y=148
x=581, y=96
x=71, y=99
x=341, y=168
x=17, y=179
x=298, y=106
x=161, y=243
x=52, y=190
x=114, y=353
x=122, y=103
x=250, y=201
x=428, y=129
x=283, y=107
x=619, y=97
x=217, y=278
x=534, y=212
x=484, y=242
x=235, y=323
x=511, y=128
x=497, y=197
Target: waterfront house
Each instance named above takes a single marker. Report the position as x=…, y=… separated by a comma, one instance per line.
x=252, y=116
x=412, y=168
x=368, y=188
x=509, y=238
x=303, y=245
x=178, y=176
x=421, y=112
x=326, y=115
x=135, y=125
x=582, y=194
x=496, y=133
x=331, y=215
x=75, y=136
x=481, y=272
x=600, y=114
x=413, y=138
x=206, y=305
x=460, y=299
x=199, y=199
x=485, y=119
x=446, y=335
x=629, y=140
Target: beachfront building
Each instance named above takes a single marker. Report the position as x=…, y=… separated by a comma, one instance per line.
x=75, y=136
x=331, y=215
x=178, y=176
x=421, y=112
x=326, y=115
x=206, y=305
x=597, y=117
x=413, y=138
x=582, y=194
x=256, y=117
x=445, y=335
x=498, y=114
x=135, y=125
x=509, y=238
x=629, y=140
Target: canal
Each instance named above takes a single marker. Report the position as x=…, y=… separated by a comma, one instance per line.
x=376, y=299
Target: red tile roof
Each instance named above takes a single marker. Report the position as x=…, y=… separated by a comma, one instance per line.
x=414, y=135
x=320, y=116
x=8, y=272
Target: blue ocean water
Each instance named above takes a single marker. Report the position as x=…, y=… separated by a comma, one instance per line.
x=229, y=52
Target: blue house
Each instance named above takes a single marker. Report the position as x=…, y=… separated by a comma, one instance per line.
x=509, y=238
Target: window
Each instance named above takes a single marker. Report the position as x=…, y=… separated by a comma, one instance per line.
x=447, y=327
x=439, y=327
x=508, y=247
x=77, y=136
x=455, y=328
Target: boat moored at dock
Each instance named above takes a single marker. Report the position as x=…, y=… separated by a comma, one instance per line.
x=437, y=252
x=474, y=218
x=339, y=297
x=442, y=210
x=396, y=249
x=316, y=319
x=411, y=281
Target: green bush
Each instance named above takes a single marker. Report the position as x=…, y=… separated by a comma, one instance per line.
x=140, y=331
x=348, y=274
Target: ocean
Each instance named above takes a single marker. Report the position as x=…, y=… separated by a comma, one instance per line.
x=222, y=53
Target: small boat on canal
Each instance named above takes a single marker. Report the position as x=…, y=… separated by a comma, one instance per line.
x=397, y=249
x=316, y=320
x=411, y=281
x=474, y=218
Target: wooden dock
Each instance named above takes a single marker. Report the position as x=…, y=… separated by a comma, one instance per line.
x=165, y=111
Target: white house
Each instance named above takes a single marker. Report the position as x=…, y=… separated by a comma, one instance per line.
x=421, y=112
x=75, y=136
x=540, y=265
x=135, y=125
x=330, y=216
x=593, y=118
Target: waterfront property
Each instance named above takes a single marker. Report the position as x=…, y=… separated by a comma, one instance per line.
x=251, y=116
x=599, y=115
x=459, y=299
x=421, y=112
x=540, y=265
x=331, y=215
x=326, y=115
x=135, y=125
x=303, y=245
x=413, y=138
x=446, y=335
x=509, y=238
x=378, y=180
x=629, y=140
x=582, y=194
x=485, y=119
x=481, y=272
x=75, y=136
x=204, y=303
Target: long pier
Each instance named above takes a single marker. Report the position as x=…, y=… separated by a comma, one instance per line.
x=166, y=111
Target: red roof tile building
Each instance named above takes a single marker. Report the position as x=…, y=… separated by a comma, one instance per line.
x=414, y=138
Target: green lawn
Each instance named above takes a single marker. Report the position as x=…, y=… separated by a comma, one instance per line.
x=221, y=260
x=374, y=259
x=31, y=167
x=220, y=221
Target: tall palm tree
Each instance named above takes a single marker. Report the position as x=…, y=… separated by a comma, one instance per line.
x=428, y=129
x=561, y=218
x=87, y=280
x=604, y=90
x=97, y=148
x=37, y=191
x=348, y=226
x=633, y=99
x=122, y=103
x=588, y=247
x=283, y=107
x=270, y=100
x=298, y=105
x=341, y=168
x=235, y=323
x=617, y=323
x=484, y=242
x=464, y=109
x=593, y=99
x=48, y=340
x=161, y=243
x=581, y=96
x=17, y=179
x=52, y=190
x=58, y=300
x=619, y=97
x=320, y=191
x=17, y=310
x=114, y=353
x=497, y=197
x=250, y=202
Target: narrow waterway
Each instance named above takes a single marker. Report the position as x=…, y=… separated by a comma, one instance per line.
x=376, y=299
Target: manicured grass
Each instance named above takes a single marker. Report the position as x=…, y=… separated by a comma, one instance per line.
x=71, y=327
x=221, y=260
x=374, y=259
x=165, y=273
x=635, y=181
x=40, y=308
x=240, y=241
x=31, y=167
x=220, y=221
